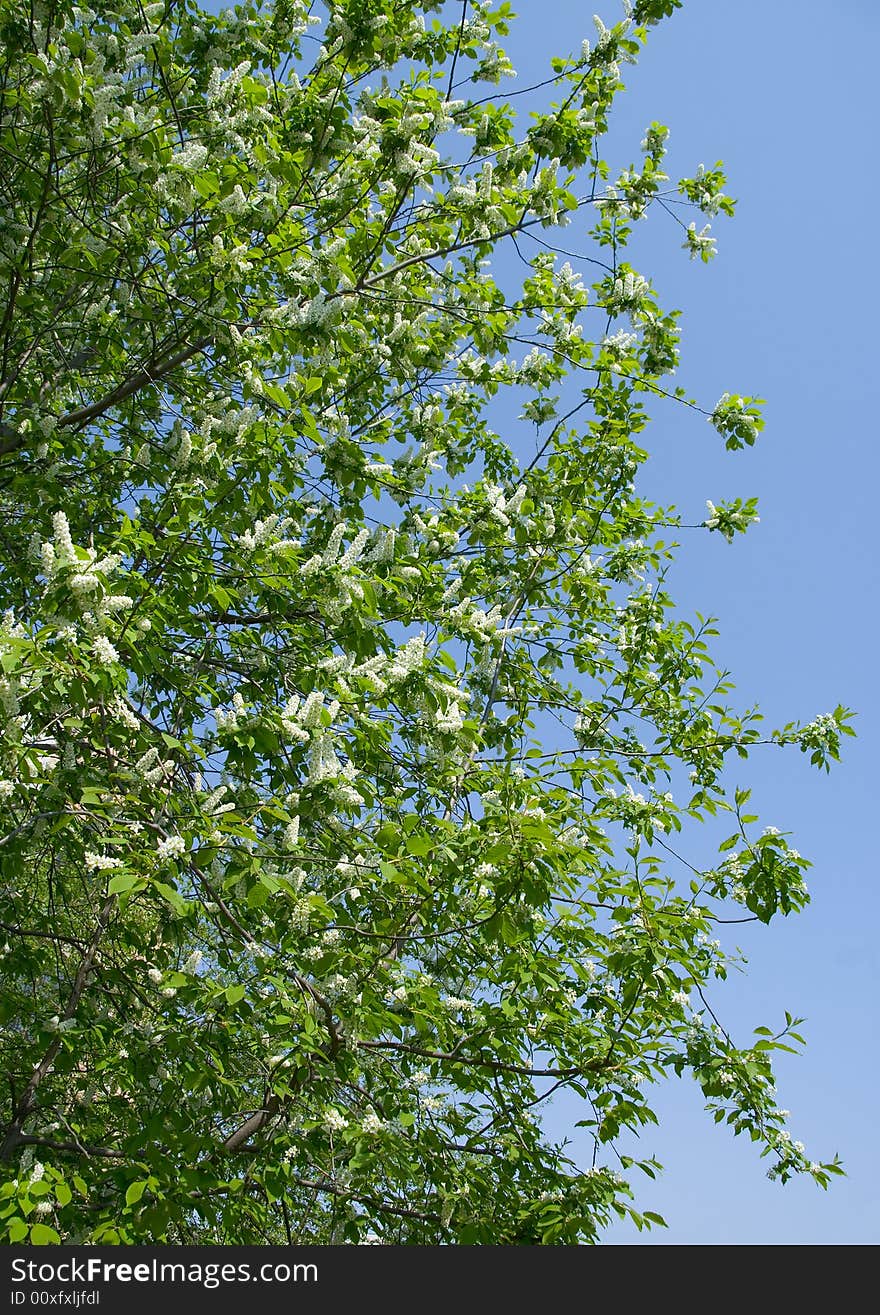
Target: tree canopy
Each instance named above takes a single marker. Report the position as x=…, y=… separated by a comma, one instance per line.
x=347, y=726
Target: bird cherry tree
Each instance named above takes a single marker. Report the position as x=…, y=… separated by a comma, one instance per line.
x=347, y=727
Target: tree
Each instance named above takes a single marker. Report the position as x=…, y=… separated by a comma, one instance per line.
x=347, y=722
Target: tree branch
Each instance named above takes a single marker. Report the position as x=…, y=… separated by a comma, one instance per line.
x=25, y=1105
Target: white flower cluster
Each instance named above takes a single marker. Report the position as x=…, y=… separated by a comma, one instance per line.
x=654, y=140
x=104, y=651
x=450, y=718
x=635, y=811
x=699, y=244
x=59, y=555
x=536, y=368
x=268, y=534
x=213, y=805
x=822, y=732
x=301, y=719
x=437, y=537
x=628, y=293
x=348, y=589
x=229, y=719
x=408, y=659
x=344, y=790
x=733, y=417
x=334, y=1120
x=475, y=623
x=455, y=1005
x=380, y=671
x=620, y=343
x=171, y=847
x=706, y=191
x=101, y=862
x=501, y=508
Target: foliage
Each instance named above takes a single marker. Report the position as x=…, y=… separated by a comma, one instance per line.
x=342, y=696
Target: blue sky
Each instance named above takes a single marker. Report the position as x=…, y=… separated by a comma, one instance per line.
x=783, y=93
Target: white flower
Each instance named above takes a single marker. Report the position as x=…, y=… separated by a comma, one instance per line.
x=154, y=975
x=171, y=846
x=323, y=762
x=310, y=713
x=629, y=292
x=333, y=543
x=699, y=244
x=101, y=862
x=455, y=1005
x=334, y=1121
x=371, y=1123
x=104, y=650
x=6, y=789
x=117, y=603
x=354, y=553
x=83, y=582
x=149, y=767
x=212, y=801
x=621, y=341
x=64, y=549
x=125, y=714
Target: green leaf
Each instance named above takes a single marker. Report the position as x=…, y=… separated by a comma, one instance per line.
x=172, y=897
x=42, y=1236
x=122, y=881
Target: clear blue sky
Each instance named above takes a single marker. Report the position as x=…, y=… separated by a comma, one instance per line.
x=785, y=94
